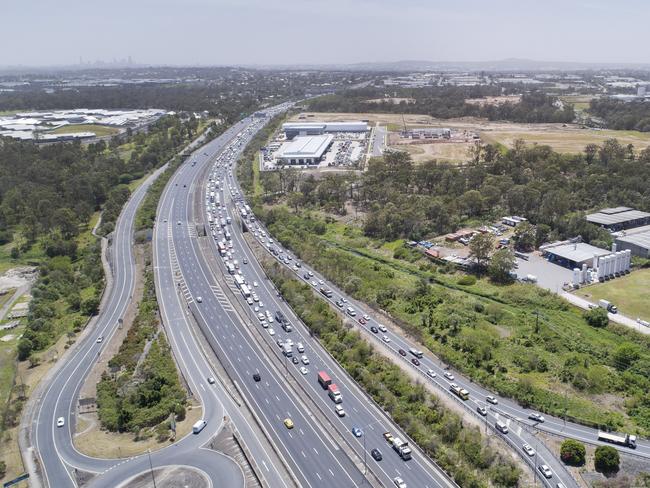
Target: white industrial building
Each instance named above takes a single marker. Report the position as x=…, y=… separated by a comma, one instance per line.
x=589, y=263
x=293, y=129
x=304, y=150
x=619, y=218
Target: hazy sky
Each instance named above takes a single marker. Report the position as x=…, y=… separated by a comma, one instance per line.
x=188, y=32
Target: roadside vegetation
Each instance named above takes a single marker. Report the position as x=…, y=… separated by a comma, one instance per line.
x=142, y=388
x=519, y=340
x=459, y=449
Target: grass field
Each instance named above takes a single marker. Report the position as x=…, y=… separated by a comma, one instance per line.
x=99, y=130
x=566, y=138
x=630, y=293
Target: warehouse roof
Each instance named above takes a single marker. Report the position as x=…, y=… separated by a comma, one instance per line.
x=577, y=252
x=639, y=236
x=610, y=216
x=307, y=146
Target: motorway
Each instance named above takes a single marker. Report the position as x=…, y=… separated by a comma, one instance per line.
x=312, y=451
x=432, y=370
x=59, y=459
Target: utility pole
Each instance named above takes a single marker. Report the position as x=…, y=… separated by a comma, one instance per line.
x=151, y=467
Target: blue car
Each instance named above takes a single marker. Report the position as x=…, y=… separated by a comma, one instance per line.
x=356, y=431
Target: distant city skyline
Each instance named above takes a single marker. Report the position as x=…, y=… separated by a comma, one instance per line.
x=287, y=32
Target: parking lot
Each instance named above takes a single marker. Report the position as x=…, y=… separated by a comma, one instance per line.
x=549, y=275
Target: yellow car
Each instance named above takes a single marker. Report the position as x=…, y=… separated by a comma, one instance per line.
x=288, y=423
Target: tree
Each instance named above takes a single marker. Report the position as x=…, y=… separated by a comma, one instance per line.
x=597, y=317
x=25, y=347
x=606, y=459
x=501, y=265
x=573, y=452
x=524, y=237
x=90, y=305
x=480, y=247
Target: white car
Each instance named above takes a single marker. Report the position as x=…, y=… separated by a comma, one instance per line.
x=300, y=347
x=304, y=370
x=271, y=331
x=386, y=339
x=339, y=411
x=492, y=400
x=199, y=299
x=305, y=360
x=256, y=284
x=399, y=482
x=382, y=328
x=60, y=422
x=528, y=450
x=321, y=282
x=449, y=376
x=211, y=380
x=431, y=373
x=314, y=284
x=261, y=317
x=546, y=471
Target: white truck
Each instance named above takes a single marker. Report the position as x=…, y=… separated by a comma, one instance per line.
x=402, y=448
x=610, y=307
x=626, y=440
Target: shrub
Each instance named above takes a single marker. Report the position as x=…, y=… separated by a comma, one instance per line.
x=573, y=452
x=467, y=280
x=597, y=317
x=606, y=459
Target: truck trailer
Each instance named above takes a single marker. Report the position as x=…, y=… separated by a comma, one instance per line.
x=402, y=448
x=626, y=440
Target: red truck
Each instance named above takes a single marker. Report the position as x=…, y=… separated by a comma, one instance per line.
x=324, y=379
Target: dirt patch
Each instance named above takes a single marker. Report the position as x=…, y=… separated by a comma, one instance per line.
x=93, y=441
x=169, y=477
x=17, y=277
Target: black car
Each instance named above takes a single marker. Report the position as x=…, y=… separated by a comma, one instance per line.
x=306, y=276
x=257, y=377
x=374, y=329
x=295, y=360
x=339, y=304
x=415, y=361
x=376, y=454
x=402, y=352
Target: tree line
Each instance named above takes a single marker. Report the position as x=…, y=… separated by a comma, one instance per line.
x=448, y=102
x=620, y=115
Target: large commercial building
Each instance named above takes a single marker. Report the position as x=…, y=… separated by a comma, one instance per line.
x=293, y=129
x=574, y=255
x=636, y=240
x=619, y=218
x=304, y=150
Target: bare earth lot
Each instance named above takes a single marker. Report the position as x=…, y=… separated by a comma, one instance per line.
x=569, y=138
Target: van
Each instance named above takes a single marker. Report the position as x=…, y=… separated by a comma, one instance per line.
x=501, y=427
x=199, y=426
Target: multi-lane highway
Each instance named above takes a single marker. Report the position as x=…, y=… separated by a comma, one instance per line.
x=316, y=446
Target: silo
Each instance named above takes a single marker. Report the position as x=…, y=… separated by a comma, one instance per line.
x=628, y=259
x=594, y=263
x=584, y=273
x=576, y=276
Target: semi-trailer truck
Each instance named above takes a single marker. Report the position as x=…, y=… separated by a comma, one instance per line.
x=626, y=440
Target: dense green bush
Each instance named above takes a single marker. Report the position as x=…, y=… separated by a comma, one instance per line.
x=467, y=280
x=597, y=317
x=573, y=452
x=606, y=459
